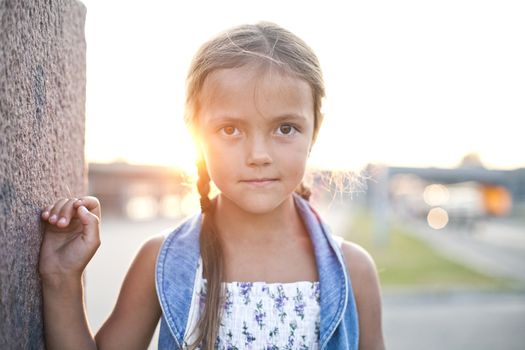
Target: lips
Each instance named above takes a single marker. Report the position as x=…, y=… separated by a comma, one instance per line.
x=259, y=181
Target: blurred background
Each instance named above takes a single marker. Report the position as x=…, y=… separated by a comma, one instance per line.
x=419, y=158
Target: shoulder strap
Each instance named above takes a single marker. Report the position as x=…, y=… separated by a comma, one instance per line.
x=176, y=268
x=339, y=240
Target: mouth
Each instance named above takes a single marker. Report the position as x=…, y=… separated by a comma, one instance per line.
x=260, y=181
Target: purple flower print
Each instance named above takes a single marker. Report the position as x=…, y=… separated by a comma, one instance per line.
x=265, y=288
x=291, y=337
x=303, y=346
x=279, y=302
x=260, y=314
x=274, y=332
x=246, y=287
x=299, y=304
x=249, y=338
x=229, y=345
x=229, y=335
x=228, y=303
x=316, y=292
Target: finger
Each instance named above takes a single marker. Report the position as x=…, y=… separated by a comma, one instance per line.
x=91, y=224
x=46, y=211
x=91, y=203
x=66, y=213
x=55, y=210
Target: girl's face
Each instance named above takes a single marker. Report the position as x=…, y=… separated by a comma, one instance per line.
x=256, y=132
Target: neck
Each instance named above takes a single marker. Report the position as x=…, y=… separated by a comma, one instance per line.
x=237, y=225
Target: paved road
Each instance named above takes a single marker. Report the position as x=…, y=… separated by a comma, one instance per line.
x=460, y=320
x=411, y=321
x=455, y=321
x=121, y=240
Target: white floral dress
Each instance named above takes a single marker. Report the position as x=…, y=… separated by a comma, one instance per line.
x=269, y=316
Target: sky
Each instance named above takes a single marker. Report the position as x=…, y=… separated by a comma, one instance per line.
x=409, y=83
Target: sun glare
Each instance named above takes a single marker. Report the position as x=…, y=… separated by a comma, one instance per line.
x=437, y=218
x=383, y=92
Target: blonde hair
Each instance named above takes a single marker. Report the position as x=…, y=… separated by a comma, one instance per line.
x=268, y=46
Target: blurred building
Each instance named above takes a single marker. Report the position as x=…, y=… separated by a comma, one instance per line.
x=459, y=195
x=464, y=193
x=138, y=191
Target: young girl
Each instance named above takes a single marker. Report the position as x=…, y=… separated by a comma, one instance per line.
x=257, y=268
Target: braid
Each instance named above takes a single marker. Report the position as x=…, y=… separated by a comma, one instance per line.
x=304, y=191
x=212, y=264
x=203, y=185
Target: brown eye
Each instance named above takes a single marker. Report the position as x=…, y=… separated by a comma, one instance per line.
x=229, y=130
x=286, y=129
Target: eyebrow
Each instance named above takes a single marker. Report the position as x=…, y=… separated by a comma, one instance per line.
x=280, y=118
x=293, y=116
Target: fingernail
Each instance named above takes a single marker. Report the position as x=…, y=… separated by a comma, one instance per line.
x=45, y=213
x=53, y=217
x=62, y=221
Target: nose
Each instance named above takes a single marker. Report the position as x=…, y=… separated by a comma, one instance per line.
x=258, y=152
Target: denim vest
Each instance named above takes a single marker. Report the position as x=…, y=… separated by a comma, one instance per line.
x=178, y=273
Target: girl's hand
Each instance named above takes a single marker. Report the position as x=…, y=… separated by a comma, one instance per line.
x=71, y=237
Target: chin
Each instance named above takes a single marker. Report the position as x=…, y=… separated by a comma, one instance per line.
x=259, y=204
